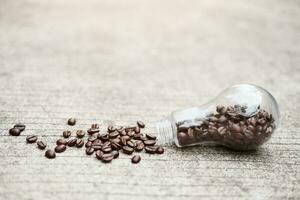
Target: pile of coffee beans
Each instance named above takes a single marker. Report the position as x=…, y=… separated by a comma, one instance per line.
x=105, y=144
x=230, y=126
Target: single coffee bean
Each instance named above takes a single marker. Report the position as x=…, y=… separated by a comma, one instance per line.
x=89, y=151
x=143, y=138
x=136, y=159
x=80, y=133
x=108, y=157
x=127, y=150
x=50, y=154
x=72, y=142
x=61, y=141
x=60, y=148
x=121, y=129
x=131, y=133
x=150, y=149
x=110, y=129
x=140, y=124
x=79, y=143
x=103, y=137
x=115, y=154
x=116, y=146
x=97, y=147
x=92, y=138
x=116, y=140
x=99, y=154
x=151, y=137
x=149, y=142
x=92, y=131
x=97, y=142
x=139, y=146
x=160, y=150
x=67, y=134
x=88, y=144
x=106, y=144
x=123, y=133
x=72, y=121
x=137, y=129
x=113, y=134
x=123, y=141
x=41, y=145
x=131, y=144
x=14, y=131
x=95, y=126
x=21, y=127
x=137, y=136
x=31, y=139
x=106, y=149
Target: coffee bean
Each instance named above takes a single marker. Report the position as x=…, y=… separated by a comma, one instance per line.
x=143, y=138
x=150, y=149
x=41, y=145
x=50, y=154
x=140, y=124
x=110, y=129
x=92, y=138
x=79, y=143
x=137, y=136
x=123, y=133
x=136, y=159
x=92, y=131
x=80, y=133
x=160, y=150
x=115, y=154
x=131, y=133
x=123, y=141
x=72, y=121
x=14, y=131
x=113, y=134
x=31, y=139
x=88, y=144
x=61, y=141
x=97, y=142
x=89, y=151
x=131, y=144
x=149, y=142
x=72, y=142
x=97, y=147
x=21, y=127
x=67, y=134
x=106, y=149
x=137, y=129
x=95, y=126
x=99, y=154
x=116, y=146
x=151, y=137
x=60, y=148
x=127, y=150
x=108, y=157
x=140, y=146
x=103, y=137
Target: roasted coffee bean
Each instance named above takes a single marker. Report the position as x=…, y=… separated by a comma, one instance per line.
x=131, y=144
x=115, y=154
x=121, y=129
x=21, y=127
x=123, y=141
x=160, y=150
x=97, y=142
x=80, y=133
x=92, y=131
x=95, y=126
x=67, y=134
x=136, y=159
x=127, y=150
x=116, y=140
x=131, y=133
x=108, y=157
x=72, y=121
x=137, y=129
x=140, y=124
x=139, y=146
x=89, y=151
x=92, y=138
x=14, y=131
x=88, y=144
x=72, y=142
x=143, y=138
x=103, y=137
x=106, y=149
x=79, y=143
x=97, y=147
x=41, y=145
x=127, y=129
x=116, y=146
x=151, y=149
x=110, y=129
x=31, y=139
x=99, y=154
x=61, y=141
x=113, y=134
x=137, y=136
x=151, y=137
x=50, y=154
x=123, y=133
x=106, y=144
x=149, y=142
x=60, y=148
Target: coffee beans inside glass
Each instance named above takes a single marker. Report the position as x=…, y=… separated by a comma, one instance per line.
x=241, y=117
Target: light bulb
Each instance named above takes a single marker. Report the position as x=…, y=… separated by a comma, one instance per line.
x=242, y=117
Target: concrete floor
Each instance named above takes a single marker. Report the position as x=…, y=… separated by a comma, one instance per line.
x=122, y=61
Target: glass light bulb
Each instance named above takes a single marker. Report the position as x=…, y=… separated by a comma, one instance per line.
x=241, y=117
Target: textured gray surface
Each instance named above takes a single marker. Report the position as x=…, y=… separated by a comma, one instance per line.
x=119, y=61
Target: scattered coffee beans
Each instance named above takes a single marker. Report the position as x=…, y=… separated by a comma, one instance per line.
x=31, y=139
x=136, y=159
x=14, y=131
x=21, y=127
x=50, y=154
x=61, y=141
x=108, y=157
x=72, y=142
x=60, y=148
x=79, y=143
x=80, y=133
x=72, y=121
